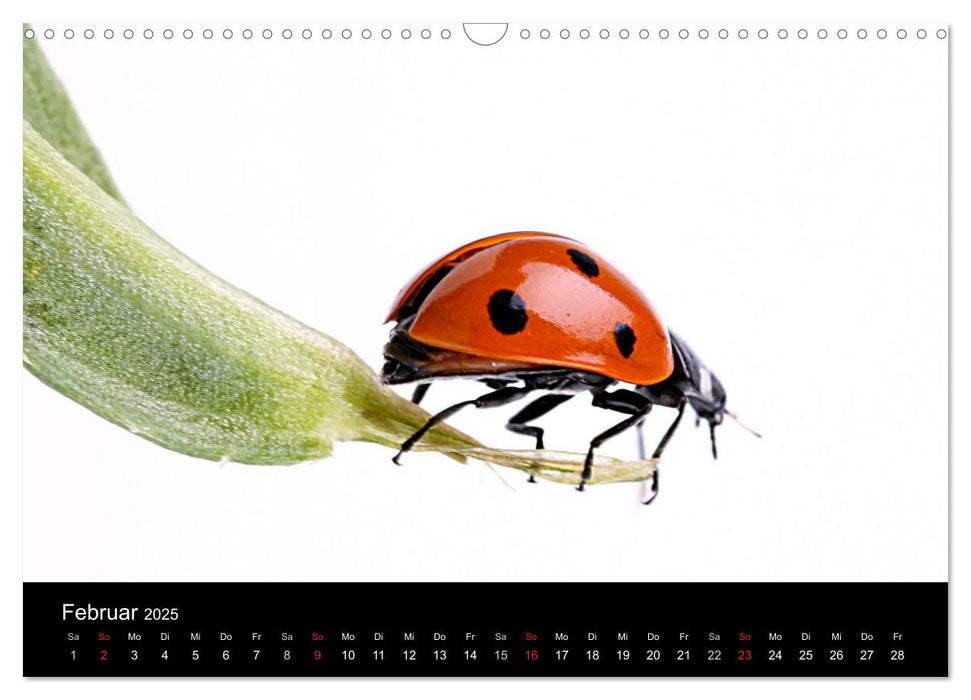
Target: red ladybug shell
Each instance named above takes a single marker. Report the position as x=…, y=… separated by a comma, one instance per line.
x=541, y=299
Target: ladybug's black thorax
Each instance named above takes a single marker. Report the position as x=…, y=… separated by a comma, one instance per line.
x=691, y=379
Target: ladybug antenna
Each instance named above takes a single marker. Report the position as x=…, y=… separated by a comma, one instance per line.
x=735, y=418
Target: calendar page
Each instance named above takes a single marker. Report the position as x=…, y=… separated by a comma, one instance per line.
x=433, y=332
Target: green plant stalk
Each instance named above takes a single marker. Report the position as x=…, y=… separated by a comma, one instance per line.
x=123, y=323
x=120, y=321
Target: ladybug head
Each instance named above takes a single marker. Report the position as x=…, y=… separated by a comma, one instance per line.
x=701, y=388
x=709, y=402
x=708, y=399
x=715, y=414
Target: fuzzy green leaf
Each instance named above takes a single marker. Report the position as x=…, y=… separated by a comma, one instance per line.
x=49, y=110
x=126, y=325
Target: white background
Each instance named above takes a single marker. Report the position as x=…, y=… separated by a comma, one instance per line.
x=10, y=308
x=782, y=202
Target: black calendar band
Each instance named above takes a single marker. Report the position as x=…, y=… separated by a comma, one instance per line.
x=486, y=629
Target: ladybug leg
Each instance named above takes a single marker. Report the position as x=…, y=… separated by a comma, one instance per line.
x=531, y=412
x=655, y=482
x=670, y=431
x=603, y=437
x=493, y=398
x=419, y=394
x=623, y=401
x=534, y=410
x=640, y=441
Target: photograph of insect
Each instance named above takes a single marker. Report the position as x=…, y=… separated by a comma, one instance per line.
x=529, y=312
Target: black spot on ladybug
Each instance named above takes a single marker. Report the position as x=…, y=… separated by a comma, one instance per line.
x=507, y=310
x=584, y=262
x=624, y=335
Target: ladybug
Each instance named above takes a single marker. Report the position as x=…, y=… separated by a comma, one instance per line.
x=529, y=312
